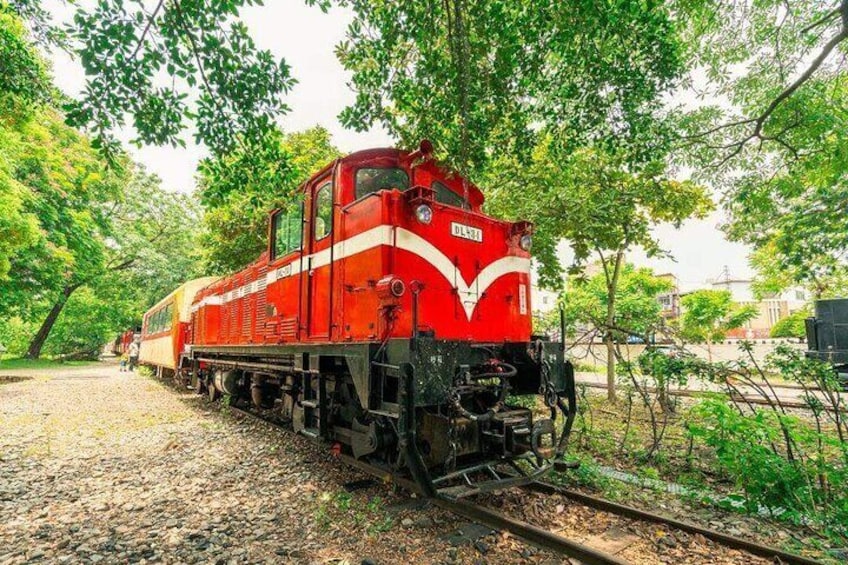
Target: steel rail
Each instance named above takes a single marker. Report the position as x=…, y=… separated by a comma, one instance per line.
x=759, y=400
x=637, y=514
x=548, y=540
x=533, y=534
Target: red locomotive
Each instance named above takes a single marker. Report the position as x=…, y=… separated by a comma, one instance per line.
x=391, y=316
x=122, y=343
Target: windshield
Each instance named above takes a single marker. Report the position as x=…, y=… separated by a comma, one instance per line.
x=370, y=180
x=446, y=196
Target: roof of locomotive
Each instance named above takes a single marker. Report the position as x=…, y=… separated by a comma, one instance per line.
x=402, y=158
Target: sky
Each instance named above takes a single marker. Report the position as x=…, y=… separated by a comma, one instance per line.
x=306, y=38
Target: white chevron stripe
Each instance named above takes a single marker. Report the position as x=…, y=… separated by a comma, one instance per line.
x=469, y=294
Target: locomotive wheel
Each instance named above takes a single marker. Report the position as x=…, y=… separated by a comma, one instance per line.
x=212, y=392
x=196, y=383
x=298, y=418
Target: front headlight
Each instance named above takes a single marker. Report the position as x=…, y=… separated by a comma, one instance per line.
x=525, y=242
x=424, y=214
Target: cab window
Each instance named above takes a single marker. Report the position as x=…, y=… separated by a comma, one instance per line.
x=288, y=231
x=371, y=180
x=449, y=197
x=323, y=211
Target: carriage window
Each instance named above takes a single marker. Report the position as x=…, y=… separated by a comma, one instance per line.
x=449, y=197
x=323, y=211
x=288, y=231
x=156, y=322
x=371, y=180
x=161, y=320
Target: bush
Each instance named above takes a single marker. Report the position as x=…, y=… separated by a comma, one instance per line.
x=791, y=326
x=14, y=336
x=779, y=460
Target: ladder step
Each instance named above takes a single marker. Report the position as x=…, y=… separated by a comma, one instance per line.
x=459, y=491
x=309, y=403
x=310, y=432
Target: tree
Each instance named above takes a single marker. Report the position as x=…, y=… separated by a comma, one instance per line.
x=24, y=80
x=709, y=314
x=792, y=210
x=71, y=224
x=24, y=84
x=787, y=51
x=483, y=78
x=824, y=275
x=585, y=302
x=165, y=64
x=636, y=314
x=592, y=200
x=772, y=136
x=88, y=320
x=62, y=184
x=792, y=325
x=239, y=190
x=144, y=249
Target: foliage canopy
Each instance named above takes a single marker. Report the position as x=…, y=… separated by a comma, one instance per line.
x=239, y=190
x=216, y=77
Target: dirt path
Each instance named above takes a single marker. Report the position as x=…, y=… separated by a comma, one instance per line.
x=98, y=466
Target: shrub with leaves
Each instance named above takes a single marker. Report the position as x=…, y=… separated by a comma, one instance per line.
x=791, y=326
x=790, y=462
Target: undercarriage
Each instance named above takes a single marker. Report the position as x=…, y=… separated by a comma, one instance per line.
x=457, y=418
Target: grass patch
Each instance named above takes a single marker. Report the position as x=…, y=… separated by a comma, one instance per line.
x=587, y=367
x=352, y=514
x=43, y=363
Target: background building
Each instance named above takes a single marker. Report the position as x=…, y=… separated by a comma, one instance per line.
x=770, y=309
x=670, y=301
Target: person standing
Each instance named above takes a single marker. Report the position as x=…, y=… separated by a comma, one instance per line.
x=133, y=353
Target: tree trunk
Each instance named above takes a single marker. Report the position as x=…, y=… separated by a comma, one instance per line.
x=34, y=350
x=610, y=367
x=612, y=287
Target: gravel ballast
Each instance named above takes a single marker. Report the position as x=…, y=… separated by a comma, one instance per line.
x=99, y=466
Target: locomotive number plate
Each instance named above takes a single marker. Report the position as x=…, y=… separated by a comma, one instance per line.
x=466, y=232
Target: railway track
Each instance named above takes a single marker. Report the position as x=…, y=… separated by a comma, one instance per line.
x=549, y=540
x=533, y=534
x=750, y=399
x=637, y=514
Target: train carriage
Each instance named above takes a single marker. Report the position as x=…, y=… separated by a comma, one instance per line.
x=165, y=327
x=391, y=317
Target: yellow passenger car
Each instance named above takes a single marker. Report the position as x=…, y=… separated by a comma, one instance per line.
x=165, y=326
